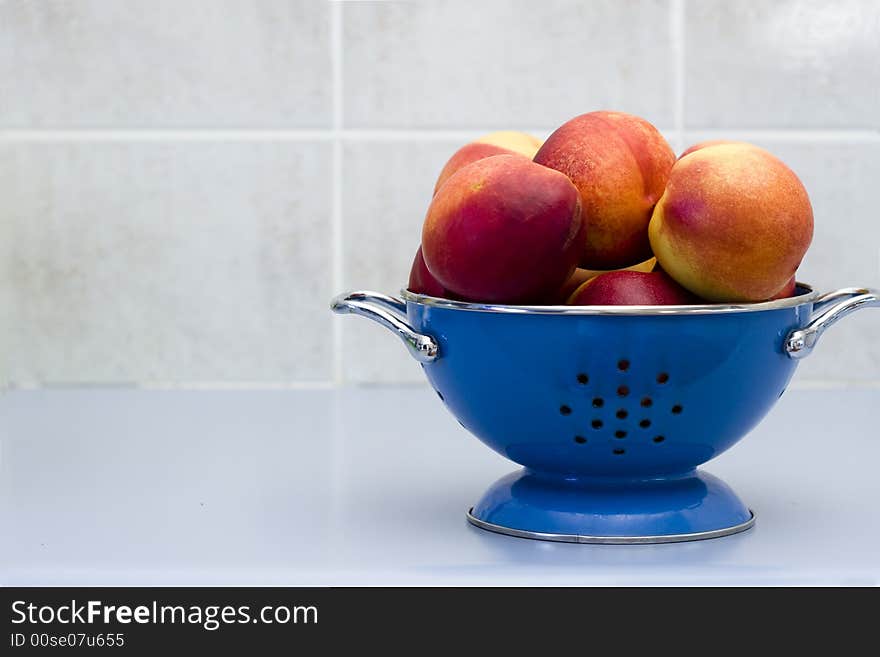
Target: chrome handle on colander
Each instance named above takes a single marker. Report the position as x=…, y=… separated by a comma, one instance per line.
x=390, y=312
x=828, y=309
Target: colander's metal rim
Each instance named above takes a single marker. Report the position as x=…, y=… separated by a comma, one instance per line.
x=808, y=296
x=611, y=540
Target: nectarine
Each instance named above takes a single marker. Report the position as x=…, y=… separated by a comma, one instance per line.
x=422, y=281
x=505, y=142
x=631, y=288
x=464, y=156
x=620, y=164
x=788, y=290
x=503, y=229
x=704, y=144
x=580, y=276
x=518, y=142
x=733, y=223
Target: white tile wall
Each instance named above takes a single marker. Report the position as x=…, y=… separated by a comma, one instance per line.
x=841, y=178
x=783, y=64
x=164, y=63
x=183, y=186
x=165, y=261
x=476, y=64
x=388, y=187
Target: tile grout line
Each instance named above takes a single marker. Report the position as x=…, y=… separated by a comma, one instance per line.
x=336, y=233
x=790, y=135
x=27, y=386
x=337, y=463
x=336, y=130
x=677, y=19
x=165, y=134
x=396, y=134
x=215, y=385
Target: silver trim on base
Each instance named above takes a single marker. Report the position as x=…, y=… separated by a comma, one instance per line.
x=611, y=540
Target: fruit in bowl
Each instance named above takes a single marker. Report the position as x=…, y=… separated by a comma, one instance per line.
x=726, y=221
x=503, y=230
x=620, y=164
x=707, y=143
x=788, y=290
x=505, y=142
x=422, y=281
x=581, y=275
x=733, y=223
x=632, y=288
x=513, y=140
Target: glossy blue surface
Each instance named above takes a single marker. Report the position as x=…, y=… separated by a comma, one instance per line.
x=621, y=399
x=535, y=502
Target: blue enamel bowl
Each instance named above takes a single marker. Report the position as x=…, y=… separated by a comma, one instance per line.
x=609, y=409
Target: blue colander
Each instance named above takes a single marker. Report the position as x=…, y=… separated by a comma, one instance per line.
x=609, y=409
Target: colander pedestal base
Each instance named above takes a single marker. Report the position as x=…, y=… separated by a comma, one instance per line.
x=546, y=507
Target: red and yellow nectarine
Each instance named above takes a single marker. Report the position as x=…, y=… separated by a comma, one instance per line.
x=505, y=142
x=631, y=288
x=704, y=144
x=581, y=275
x=788, y=290
x=733, y=223
x=620, y=164
x=505, y=230
x=422, y=281
x=465, y=155
x=518, y=142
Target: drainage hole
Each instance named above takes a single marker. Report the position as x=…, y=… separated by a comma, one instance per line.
x=659, y=439
x=440, y=395
x=663, y=377
x=598, y=402
x=619, y=451
x=677, y=409
x=620, y=433
x=597, y=424
x=644, y=424
x=565, y=410
x=583, y=379
x=646, y=402
x=621, y=414
x=623, y=364
x=623, y=391
x=580, y=440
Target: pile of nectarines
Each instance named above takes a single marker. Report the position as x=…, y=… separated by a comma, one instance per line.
x=603, y=213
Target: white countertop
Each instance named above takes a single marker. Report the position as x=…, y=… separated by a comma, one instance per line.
x=370, y=486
